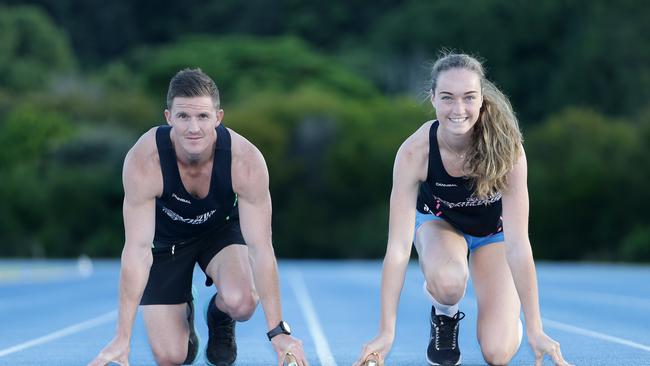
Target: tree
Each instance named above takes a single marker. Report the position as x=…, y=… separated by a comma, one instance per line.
x=587, y=185
x=32, y=49
x=242, y=66
x=26, y=136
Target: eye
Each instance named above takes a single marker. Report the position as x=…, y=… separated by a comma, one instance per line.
x=445, y=97
x=470, y=98
x=204, y=116
x=182, y=115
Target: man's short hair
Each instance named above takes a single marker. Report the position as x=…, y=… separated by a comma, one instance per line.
x=192, y=83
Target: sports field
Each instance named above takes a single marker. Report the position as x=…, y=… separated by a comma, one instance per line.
x=63, y=312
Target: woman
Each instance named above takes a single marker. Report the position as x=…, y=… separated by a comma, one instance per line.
x=460, y=181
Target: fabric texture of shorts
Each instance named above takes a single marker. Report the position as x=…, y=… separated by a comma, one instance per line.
x=170, y=276
x=473, y=242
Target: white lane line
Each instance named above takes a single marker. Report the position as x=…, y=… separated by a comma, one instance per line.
x=582, y=331
x=602, y=298
x=592, y=334
x=61, y=333
x=322, y=347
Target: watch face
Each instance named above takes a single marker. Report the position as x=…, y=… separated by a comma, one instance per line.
x=285, y=326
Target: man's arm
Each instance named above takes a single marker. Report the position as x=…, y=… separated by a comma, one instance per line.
x=251, y=183
x=139, y=225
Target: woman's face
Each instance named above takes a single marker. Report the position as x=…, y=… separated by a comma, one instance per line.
x=457, y=100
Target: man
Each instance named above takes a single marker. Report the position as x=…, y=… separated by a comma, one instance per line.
x=196, y=192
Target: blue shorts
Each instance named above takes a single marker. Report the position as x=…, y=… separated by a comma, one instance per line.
x=473, y=242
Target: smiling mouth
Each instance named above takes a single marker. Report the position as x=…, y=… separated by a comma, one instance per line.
x=458, y=120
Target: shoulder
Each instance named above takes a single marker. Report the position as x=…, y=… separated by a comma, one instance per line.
x=414, y=151
x=141, y=174
x=248, y=164
x=517, y=176
x=418, y=142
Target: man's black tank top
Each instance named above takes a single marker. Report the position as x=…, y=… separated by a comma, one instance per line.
x=452, y=198
x=180, y=216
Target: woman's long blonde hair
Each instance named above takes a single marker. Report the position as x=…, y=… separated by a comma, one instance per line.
x=496, y=139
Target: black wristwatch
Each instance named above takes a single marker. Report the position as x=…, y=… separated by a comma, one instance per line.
x=282, y=328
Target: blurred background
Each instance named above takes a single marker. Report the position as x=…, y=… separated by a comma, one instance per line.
x=327, y=90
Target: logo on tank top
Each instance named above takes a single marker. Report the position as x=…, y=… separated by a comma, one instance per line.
x=181, y=199
x=195, y=221
x=470, y=201
x=438, y=184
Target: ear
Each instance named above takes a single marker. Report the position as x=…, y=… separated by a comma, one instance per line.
x=168, y=117
x=219, y=116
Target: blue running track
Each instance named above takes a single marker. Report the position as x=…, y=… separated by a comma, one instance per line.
x=64, y=312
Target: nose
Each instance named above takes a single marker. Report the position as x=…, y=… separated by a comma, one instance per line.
x=458, y=107
x=193, y=126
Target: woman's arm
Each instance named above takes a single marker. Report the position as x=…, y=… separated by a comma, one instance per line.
x=520, y=260
x=410, y=169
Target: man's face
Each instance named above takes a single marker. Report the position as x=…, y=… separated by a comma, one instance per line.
x=194, y=120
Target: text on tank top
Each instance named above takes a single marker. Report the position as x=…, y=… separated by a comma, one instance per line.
x=452, y=198
x=181, y=216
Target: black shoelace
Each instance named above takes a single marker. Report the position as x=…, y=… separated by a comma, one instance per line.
x=446, y=331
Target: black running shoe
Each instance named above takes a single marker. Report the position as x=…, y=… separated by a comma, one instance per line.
x=221, y=349
x=443, y=345
x=193, y=342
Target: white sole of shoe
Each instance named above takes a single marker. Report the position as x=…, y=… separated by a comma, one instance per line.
x=438, y=364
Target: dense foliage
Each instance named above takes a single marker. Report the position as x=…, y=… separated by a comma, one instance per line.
x=327, y=91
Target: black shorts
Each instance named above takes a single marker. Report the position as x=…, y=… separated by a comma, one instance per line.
x=170, y=277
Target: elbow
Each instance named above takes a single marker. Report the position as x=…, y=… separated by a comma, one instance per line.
x=137, y=255
x=398, y=254
x=518, y=248
x=257, y=255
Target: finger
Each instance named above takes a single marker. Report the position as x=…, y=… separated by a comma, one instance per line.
x=99, y=361
x=556, y=355
x=360, y=359
x=292, y=360
x=373, y=359
x=363, y=352
x=539, y=358
x=120, y=361
x=299, y=354
x=558, y=358
x=280, y=359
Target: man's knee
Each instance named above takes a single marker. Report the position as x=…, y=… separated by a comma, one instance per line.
x=240, y=305
x=170, y=355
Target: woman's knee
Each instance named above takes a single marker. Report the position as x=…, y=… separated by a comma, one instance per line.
x=447, y=283
x=498, y=350
x=497, y=355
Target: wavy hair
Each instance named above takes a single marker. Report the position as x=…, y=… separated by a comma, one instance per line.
x=496, y=139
